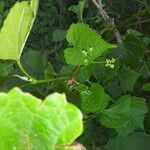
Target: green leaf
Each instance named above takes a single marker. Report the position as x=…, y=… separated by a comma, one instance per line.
x=2, y=6
x=28, y=123
x=34, y=7
x=147, y=121
x=59, y=35
x=128, y=78
x=94, y=99
x=134, y=141
x=146, y=87
x=34, y=62
x=117, y=114
x=131, y=51
x=126, y=115
x=85, y=73
x=138, y=109
x=49, y=72
x=16, y=29
x=78, y=9
x=145, y=70
x=67, y=70
x=75, y=9
x=5, y=69
x=86, y=45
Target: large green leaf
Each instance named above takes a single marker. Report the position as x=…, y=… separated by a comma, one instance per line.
x=117, y=114
x=145, y=70
x=85, y=73
x=126, y=115
x=94, y=99
x=128, y=78
x=131, y=51
x=28, y=123
x=134, y=141
x=16, y=29
x=34, y=62
x=86, y=44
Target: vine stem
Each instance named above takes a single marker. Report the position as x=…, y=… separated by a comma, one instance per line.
x=106, y=17
x=25, y=73
x=51, y=80
x=36, y=81
x=98, y=62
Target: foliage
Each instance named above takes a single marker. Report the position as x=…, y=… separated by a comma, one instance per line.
x=126, y=115
x=134, y=141
x=93, y=99
x=86, y=45
x=37, y=128
x=69, y=51
x=16, y=29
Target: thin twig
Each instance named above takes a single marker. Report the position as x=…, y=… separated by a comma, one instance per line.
x=106, y=17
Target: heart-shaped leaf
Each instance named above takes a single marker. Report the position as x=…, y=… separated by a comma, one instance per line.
x=126, y=115
x=94, y=99
x=86, y=44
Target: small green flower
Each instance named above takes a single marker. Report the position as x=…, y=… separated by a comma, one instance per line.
x=86, y=93
x=85, y=61
x=85, y=53
x=91, y=49
x=110, y=63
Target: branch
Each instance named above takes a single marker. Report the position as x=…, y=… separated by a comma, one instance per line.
x=34, y=81
x=106, y=17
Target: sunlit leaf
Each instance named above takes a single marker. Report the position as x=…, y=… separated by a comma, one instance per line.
x=16, y=29
x=29, y=123
x=85, y=45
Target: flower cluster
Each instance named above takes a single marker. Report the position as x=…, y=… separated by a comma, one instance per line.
x=87, y=54
x=110, y=63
